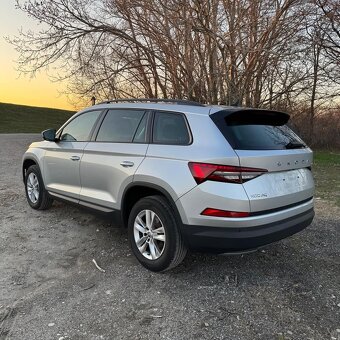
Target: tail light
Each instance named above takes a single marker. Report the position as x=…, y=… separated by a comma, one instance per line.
x=223, y=173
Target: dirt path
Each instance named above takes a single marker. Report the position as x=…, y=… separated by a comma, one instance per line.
x=50, y=289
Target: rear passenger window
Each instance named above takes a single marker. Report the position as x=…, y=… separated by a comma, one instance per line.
x=120, y=126
x=170, y=128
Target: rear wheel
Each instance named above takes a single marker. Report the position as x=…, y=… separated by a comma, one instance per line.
x=37, y=196
x=154, y=236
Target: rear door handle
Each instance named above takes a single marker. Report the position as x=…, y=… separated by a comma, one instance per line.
x=127, y=164
x=75, y=158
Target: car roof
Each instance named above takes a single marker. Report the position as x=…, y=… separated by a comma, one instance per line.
x=184, y=108
x=203, y=110
x=173, y=107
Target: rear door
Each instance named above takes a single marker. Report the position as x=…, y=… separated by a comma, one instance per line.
x=262, y=140
x=112, y=157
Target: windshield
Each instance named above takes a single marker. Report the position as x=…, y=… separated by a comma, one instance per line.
x=254, y=130
x=263, y=137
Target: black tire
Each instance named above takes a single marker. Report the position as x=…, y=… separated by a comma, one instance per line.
x=174, y=248
x=44, y=200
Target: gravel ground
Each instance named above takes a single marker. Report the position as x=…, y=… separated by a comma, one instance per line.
x=50, y=289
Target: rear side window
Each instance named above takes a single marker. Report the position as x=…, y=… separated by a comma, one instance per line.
x=120, y=126
x=170, y=128
x=258, y=130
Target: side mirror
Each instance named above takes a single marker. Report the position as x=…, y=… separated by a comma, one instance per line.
x=49, y=135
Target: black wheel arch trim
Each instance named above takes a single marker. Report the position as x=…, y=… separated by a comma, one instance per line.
x=30, y=159
x=163, y=191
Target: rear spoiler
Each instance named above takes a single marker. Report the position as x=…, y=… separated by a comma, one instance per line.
x=245, y=116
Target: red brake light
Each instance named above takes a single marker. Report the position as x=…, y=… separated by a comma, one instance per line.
x=201, y=171
x=223, y=213
x=223, y=173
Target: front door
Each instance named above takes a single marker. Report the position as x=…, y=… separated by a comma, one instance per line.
x=62, y=158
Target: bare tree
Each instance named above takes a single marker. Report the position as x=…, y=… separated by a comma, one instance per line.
x=253, y=52
x=331, y=27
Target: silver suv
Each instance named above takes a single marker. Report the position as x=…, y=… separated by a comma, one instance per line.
x=179, y=175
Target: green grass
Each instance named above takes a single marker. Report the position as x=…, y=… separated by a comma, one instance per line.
x=326, y=171
x=30, y=119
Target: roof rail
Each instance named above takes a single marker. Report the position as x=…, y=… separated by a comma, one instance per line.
x=152, y=100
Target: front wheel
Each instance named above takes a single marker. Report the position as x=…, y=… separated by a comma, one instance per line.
x=37, y=196
x=154, y=236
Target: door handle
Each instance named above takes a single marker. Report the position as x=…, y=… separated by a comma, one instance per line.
x=127, y=164
x=75, y=158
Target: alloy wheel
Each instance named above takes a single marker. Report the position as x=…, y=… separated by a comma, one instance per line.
x=33, y=187
x=149, y=234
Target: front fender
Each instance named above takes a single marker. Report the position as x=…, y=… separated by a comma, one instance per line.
x=35, y=155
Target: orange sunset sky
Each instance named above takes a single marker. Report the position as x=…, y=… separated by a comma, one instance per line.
x=16, y=88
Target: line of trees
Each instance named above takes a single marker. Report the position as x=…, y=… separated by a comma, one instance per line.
x=280, y=54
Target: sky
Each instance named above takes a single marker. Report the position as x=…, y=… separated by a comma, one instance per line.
x=16, y=88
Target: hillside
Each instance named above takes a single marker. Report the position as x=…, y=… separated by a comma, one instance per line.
x=30, y=119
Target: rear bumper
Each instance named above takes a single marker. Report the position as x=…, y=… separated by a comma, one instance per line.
x=228, y=239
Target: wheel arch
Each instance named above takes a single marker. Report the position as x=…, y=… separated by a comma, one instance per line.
x=27, y=162
x=137, y=190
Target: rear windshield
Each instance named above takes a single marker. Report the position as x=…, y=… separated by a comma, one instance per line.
x=252, y=130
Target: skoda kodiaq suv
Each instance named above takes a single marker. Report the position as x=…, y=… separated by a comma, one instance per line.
x=179, y=175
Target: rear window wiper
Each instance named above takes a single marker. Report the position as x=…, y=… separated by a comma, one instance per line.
x=295, y=145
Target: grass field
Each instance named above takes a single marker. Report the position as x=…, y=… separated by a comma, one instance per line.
x=326, y=170
x=29, y=119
